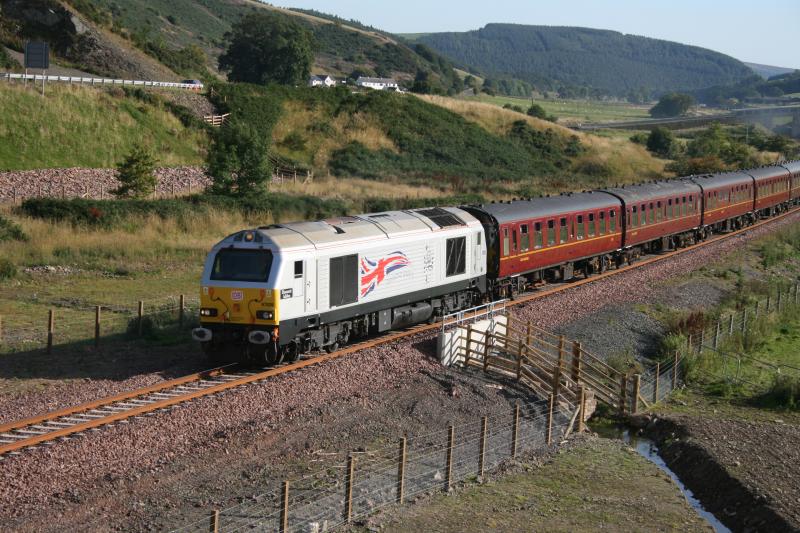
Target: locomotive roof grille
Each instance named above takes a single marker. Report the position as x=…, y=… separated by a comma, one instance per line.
x=441, y=218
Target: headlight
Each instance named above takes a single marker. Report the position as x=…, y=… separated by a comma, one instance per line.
x=208, y=311
x=265, y=315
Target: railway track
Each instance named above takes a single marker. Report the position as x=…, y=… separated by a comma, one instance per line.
x=74, y=421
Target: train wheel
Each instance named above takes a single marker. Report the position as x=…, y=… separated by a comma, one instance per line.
x=291, y=352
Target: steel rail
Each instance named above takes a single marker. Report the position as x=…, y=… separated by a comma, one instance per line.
x=22, y=434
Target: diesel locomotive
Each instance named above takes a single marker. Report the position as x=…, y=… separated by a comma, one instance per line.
x=272, y=293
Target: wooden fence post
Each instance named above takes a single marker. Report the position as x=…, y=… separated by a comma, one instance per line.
x=140, y=320
x=486, y=351
x=348, y=502
x=519, y=360
x=401, y=471
x=515, y=432
x=576, y=361
x=557, y=370
x=451, y=437
x=730, y=326
x=716, y=335
x=582, y=409
x=550, y=419
x=623, y=393
x=469, y=342
x=702, y=339
x=285, y=508
x=675, y=371
x=769, y=301
x=213, y=523
x=97, y=326
x=757, y=308
x=655, y=385
x=482, y=456
x=51, y=326
x=637, y=387
x=182, y=310
x=796, y=288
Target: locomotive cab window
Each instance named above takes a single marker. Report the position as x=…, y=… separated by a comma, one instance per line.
x=525, y=238
x=537, y=235
x=564, y=235
x=238, y=264
x=551, y=232
x=456, y=256
x=298, y=269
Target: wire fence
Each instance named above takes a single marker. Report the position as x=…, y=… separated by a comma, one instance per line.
x=86, y=322
x=97, y=82
x=347, y=489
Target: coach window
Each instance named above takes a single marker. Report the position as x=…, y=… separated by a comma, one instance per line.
x=514, y=240
x=564, y=233
x=591, y=225
x=537, y=235
x=643, y=215
x=634, y=217
x=659, y=211
x=691, y=204
x=612, y=220
x=551, y=232
x=652, y=213
x=684, y=209
x=456, y=256
x=506, y=244
x=525, y=238
x=579, y=229
x=601, y=226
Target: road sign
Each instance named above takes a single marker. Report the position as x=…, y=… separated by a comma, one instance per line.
x=37, y=55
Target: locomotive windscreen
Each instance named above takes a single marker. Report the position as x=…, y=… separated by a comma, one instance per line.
x=237, y=264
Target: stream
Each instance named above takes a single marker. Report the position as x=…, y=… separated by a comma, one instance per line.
x=648, y=449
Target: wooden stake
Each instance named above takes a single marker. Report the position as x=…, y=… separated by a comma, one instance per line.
x=582, y=411
x=213, y=523
x=675, y=371
x=401, y=471
x=51, y=326
x=655, y=386
x=285, y=508
x=730, y=326
x=519, y=361
x=637, y=386
x=557, y=370
x=716, y=335
x=469, y=341
x=97, y=326
x=576, y=361
x=769, y=301
x=515, y=432
x=486, y=351
x=550, y=419
x=451, y=437
x=348, y=502
x=482, y=456
x=689, y=345
x=623, y=393
x=141, y=317
x=182, y=310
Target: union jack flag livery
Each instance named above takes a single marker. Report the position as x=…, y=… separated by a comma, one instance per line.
x=374, y=272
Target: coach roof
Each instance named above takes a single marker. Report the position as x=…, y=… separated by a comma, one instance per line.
x=725, y=179
x=548, y=206
x=792, y=166
x=657, y=189
x=763, y=173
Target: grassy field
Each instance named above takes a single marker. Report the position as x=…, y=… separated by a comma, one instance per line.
x=593, y=485
x=571, y=111
x=86, y=127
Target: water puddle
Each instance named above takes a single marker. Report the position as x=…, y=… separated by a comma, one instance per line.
x=648, y=449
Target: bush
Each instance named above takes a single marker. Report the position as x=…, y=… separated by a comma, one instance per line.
x=136, y=174
x=672, y=105
x=661, y=142
x=783, y=393
x=639, y=138
x=9, y=231
x=7, y=269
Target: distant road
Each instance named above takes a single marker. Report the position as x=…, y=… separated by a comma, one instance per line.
x=83, y=80
x=736, y=115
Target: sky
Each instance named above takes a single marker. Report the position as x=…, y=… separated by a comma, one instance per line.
x=757, y=31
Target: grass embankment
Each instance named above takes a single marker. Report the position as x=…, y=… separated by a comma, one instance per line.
x=594, y=484
x=88, y=127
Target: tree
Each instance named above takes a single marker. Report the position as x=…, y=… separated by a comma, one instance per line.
x=268, y=48
x=672, y=105
x=136, y=174
x=661, y=142
x=238, y=161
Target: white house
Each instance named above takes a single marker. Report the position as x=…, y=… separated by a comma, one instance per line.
x=321, y=80
x=380, y=84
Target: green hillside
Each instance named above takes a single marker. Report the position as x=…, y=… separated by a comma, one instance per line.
x=85, y=127
x=562, y=58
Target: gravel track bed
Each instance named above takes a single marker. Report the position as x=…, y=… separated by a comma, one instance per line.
x=92, y=182
x=67, y=475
